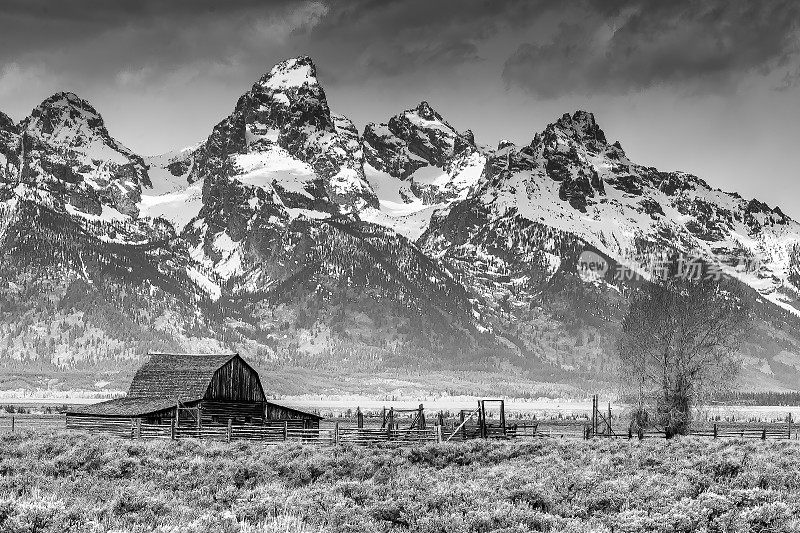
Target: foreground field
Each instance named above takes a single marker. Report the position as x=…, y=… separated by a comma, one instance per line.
x=70, y=482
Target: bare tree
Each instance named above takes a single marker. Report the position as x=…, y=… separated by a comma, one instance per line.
x=678, y=342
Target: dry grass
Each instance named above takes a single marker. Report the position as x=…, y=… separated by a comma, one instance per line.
x=70, y=482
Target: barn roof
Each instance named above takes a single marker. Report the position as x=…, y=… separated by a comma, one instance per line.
x=127, y=406
x=183, y=377
x=302, y=410
x=163, y=380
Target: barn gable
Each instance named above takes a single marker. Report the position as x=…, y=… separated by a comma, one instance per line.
x=235, y=381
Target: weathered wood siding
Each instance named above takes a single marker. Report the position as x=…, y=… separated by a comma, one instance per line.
x=214, y=412
x=235, y=381
x=279, y=412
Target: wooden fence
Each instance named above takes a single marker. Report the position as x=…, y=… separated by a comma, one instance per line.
x=764, y=432
x=228, y=433
x=356, y=435
x=271, y=432
x=338, y=432
x=24, y=421
x=741, y=431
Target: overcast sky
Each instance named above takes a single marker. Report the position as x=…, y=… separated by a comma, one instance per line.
x=709, y=87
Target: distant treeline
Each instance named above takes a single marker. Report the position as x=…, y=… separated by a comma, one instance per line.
x=757, y=398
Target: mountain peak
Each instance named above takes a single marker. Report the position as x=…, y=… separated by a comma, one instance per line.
x=581, y=126
x=413, y=139
x=426, y=112
x=286, y=116
x=290, y=73
x=69, y=101
x=7, y=123
x=63, y=116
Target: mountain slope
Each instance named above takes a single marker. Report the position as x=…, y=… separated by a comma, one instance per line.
x=516, y=242
x=292, y=238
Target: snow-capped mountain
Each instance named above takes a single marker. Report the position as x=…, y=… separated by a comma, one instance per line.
x=289, y=235
x=282, y=136
x=569, y=190
x=68, y=157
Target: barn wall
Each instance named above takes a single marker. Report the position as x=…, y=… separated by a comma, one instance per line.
x=212, y=412
x=279, y=412
x=235, y=381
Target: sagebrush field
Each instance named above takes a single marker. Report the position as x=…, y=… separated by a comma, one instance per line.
x=72, y=482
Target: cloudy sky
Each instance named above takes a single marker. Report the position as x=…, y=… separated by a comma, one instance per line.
x=709, y=87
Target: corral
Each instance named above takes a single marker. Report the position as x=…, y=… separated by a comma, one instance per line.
x=220, y=397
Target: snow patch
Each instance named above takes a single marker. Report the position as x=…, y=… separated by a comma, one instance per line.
x=179, y=207
x=290, y=74
x=205, y=283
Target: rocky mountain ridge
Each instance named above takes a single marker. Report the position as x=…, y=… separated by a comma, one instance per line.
x=289, y=236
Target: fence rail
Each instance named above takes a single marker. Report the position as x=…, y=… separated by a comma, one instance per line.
x=357, y=435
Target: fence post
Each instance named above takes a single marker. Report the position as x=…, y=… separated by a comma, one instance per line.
x=12, y=423
x=439, y=433
x=172, y=429
x=336, y=433
x=764, y=434
x=790, y=425
x=228, y=432
x=138, y=428
x=285, y=430
x=715, y=430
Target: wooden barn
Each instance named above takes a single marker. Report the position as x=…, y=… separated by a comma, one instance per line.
x=193, y=390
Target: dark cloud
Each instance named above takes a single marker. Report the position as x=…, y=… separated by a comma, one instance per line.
x=620, y=47
x=154, y=38
x=593, y=46
x=96, y=39
x=396, y=37
x=396, y=59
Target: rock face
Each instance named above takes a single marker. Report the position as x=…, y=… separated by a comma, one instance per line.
x=413, y=139
x=287, y=235
x=9, y=138
x=417, y=163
